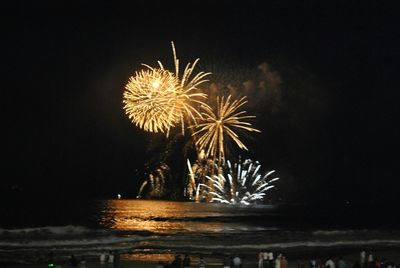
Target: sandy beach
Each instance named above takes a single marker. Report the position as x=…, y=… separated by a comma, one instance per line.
x=128, y=261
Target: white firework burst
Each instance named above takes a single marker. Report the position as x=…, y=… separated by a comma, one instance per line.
x=242, y=184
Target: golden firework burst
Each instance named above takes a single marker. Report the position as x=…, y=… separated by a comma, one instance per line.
x=157, y=99
x=223, y=123
x=150, y=100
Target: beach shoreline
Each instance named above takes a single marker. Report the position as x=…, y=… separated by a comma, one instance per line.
x=214, y=261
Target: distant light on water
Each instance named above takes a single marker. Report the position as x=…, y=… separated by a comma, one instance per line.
x=169, y=217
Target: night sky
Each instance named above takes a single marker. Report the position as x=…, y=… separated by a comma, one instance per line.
x=332, y=135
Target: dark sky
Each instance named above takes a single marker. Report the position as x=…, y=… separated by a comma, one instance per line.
x=65, y=67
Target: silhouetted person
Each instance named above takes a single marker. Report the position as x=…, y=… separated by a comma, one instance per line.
x=111, y=258
x=102, y=258
x=341, y=263
x=186, y=261
x=265, y=259
x=284, y=262
x=116, y=259
x=382, y=263
x=320, y=264
x=300, y=264
x=377, y=263
x=237, y=262
x=202, y=263
x=82, y=263
x=329, y=263
x=177, y=262
x=260, y=259
x=278, y=261
x=226, y=262
x=271, y=259
x=363, y=260
x=370, y=260
x=73, y=261
x=313, y=263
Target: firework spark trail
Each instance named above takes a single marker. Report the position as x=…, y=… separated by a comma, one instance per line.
x=216, y=126
x=155, y=182
x=157, y=100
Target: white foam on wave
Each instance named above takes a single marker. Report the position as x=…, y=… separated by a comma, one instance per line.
x=69, y=242
x=341, y=232
x=57, y=230
x=311, y=244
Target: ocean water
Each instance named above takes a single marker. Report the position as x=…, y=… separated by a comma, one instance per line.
x=156, y=230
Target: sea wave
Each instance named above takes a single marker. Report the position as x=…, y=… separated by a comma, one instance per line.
x=47, y=230
x=57, y=243
x=79, y=236
x=67, y=231
x=287, y=245
x=339, y=232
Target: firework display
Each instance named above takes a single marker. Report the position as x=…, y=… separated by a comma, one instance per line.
x=157, y=100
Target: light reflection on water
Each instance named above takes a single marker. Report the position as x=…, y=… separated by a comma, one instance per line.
x=168, y=257
x=171, y=217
